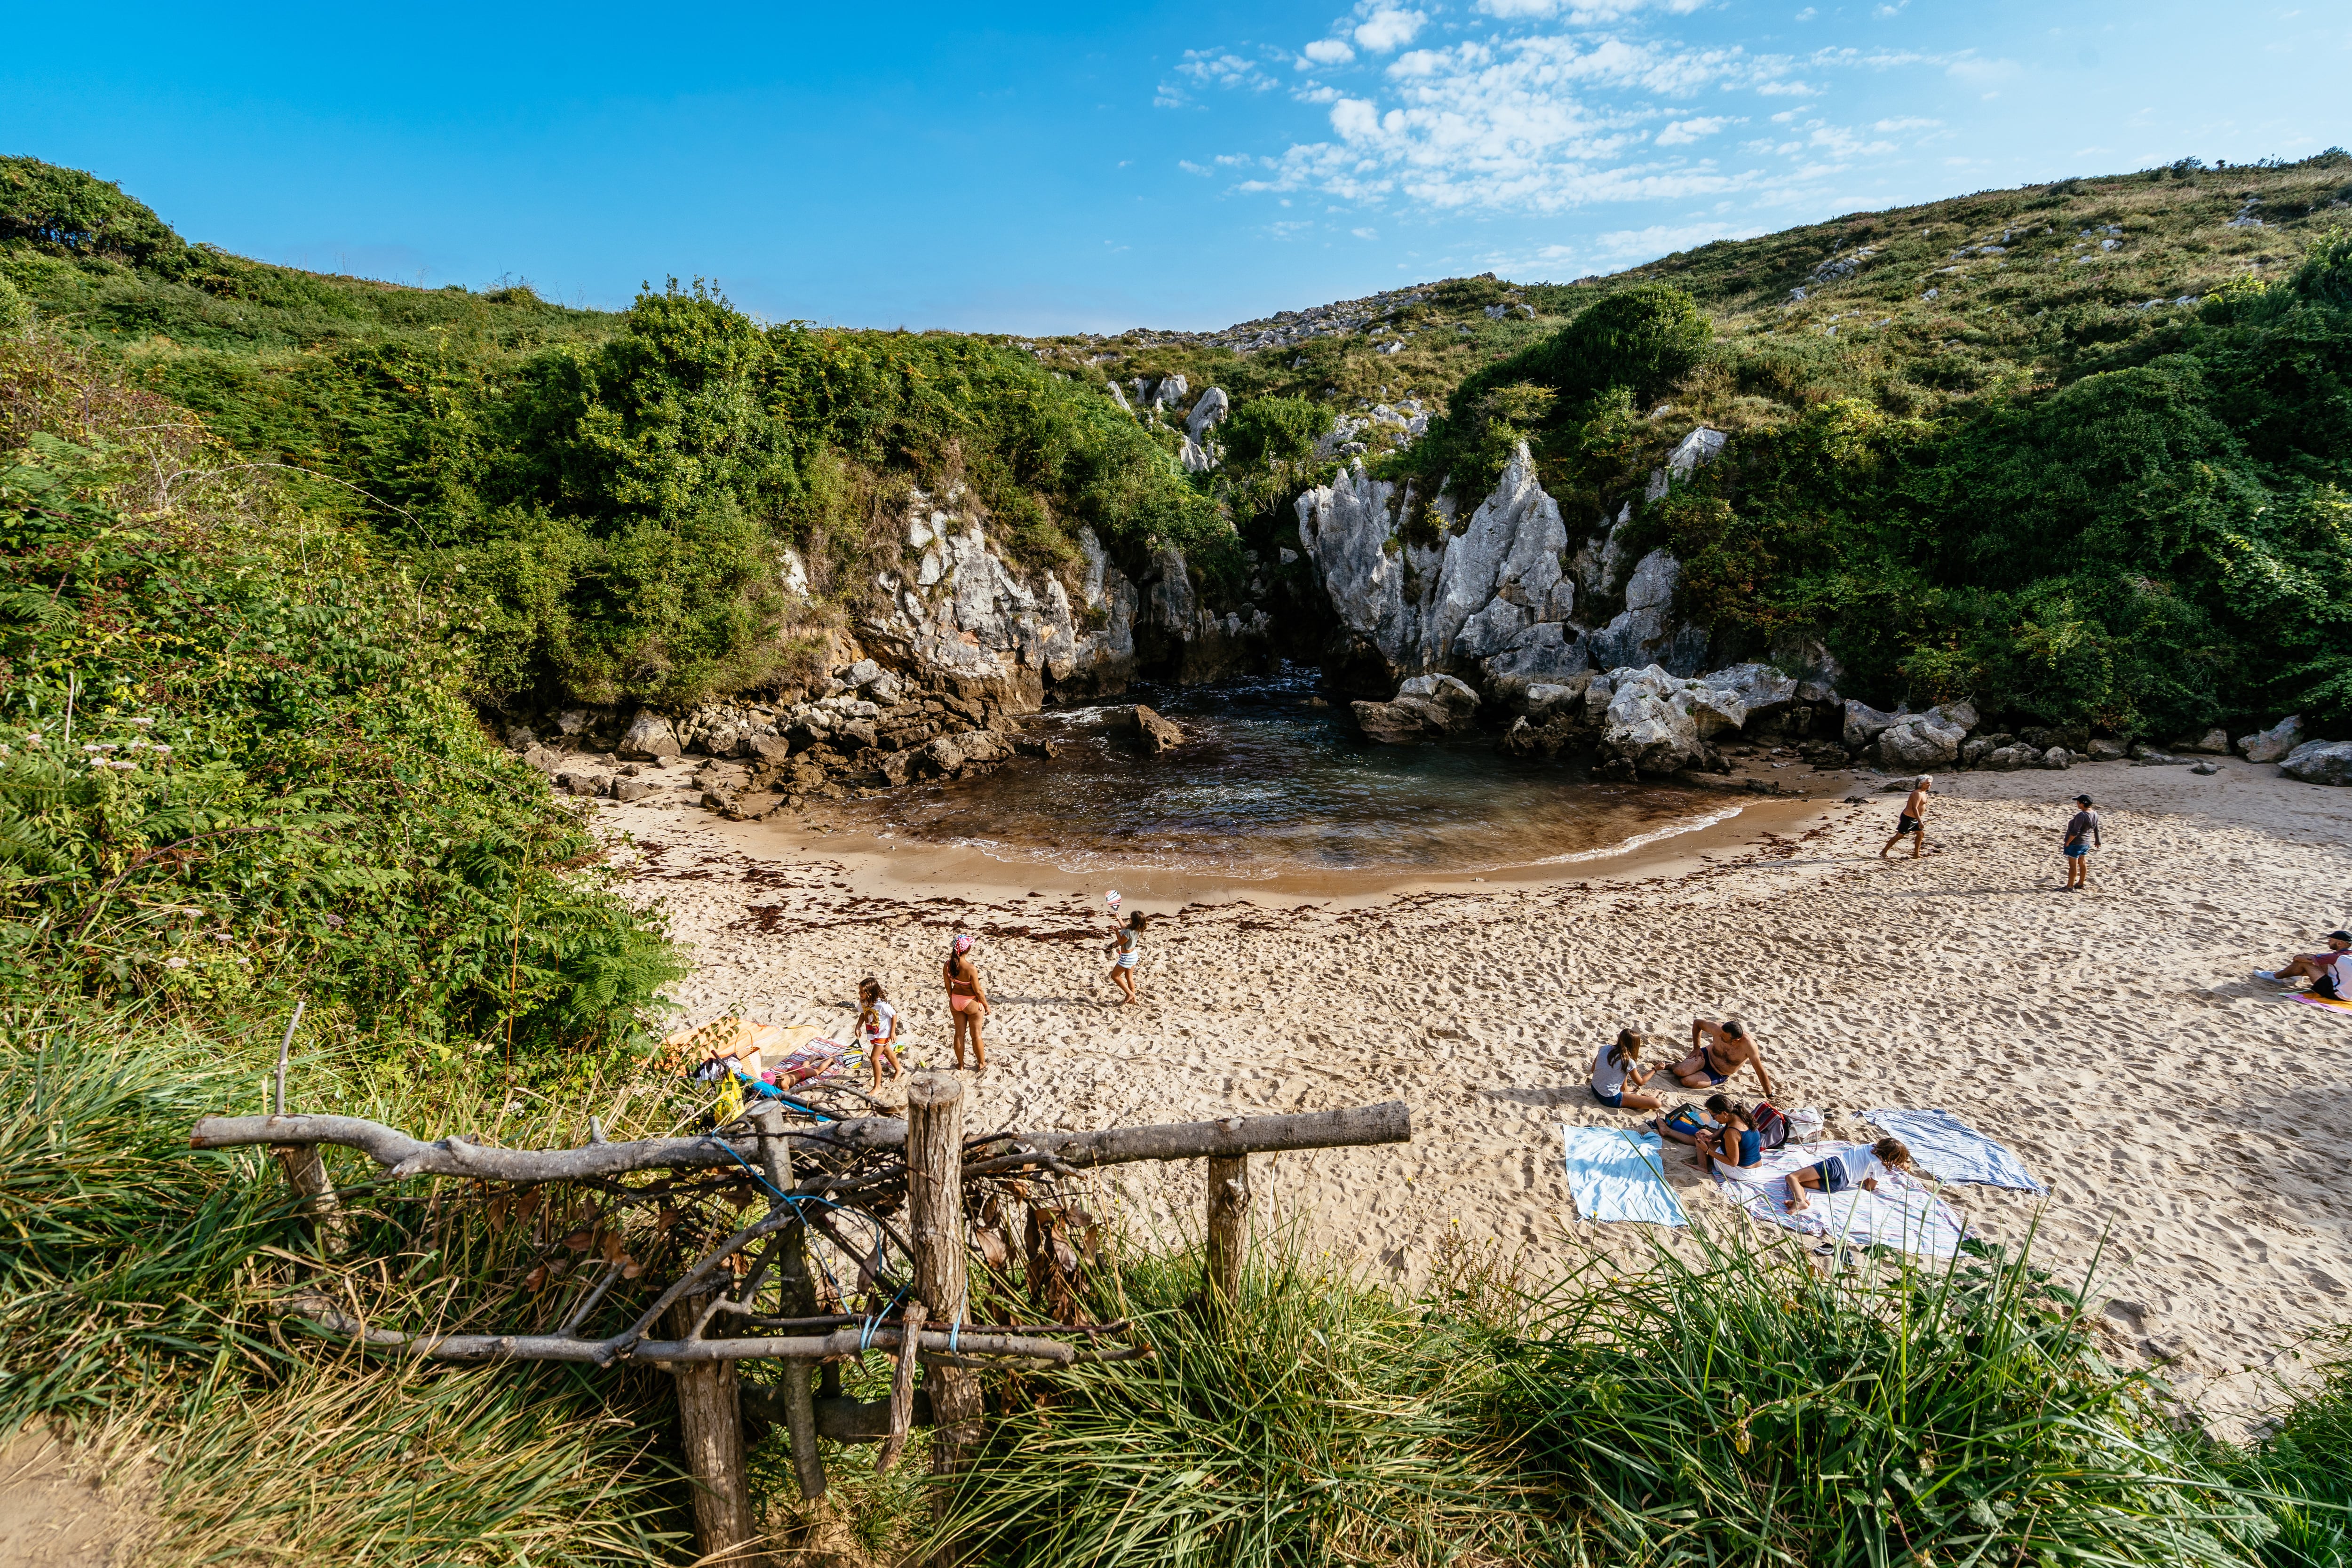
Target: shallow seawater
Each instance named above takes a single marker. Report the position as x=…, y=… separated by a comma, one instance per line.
x=1273, y=783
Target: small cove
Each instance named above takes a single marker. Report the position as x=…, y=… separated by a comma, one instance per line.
x=1275, y=781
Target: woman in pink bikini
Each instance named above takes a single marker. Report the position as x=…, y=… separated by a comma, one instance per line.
x=967, y=1002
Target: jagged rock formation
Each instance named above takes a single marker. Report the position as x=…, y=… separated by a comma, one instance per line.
x=1499, y=599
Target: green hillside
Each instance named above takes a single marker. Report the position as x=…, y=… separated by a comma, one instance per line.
x=2077, y=451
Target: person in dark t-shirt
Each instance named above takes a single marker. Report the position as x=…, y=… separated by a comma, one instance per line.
x=2082, y=836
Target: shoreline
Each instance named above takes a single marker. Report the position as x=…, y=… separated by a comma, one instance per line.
x=2184, y=1117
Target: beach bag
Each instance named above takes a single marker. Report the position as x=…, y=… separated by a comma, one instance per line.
x=1771, y=1127
x=1688, y=1119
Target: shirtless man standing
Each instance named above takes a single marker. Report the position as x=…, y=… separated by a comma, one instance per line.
x=1914, y=820
x=1717, y=1051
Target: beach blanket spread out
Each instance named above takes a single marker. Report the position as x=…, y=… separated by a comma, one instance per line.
x=1949, y=1150
x=1617, y=1174
x=1903, y=1213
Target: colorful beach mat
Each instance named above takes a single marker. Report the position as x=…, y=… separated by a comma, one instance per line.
x=1618, y=1175
x=2309, y=1000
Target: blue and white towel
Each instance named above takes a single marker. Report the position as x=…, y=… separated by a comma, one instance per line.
x=1617, y=1174
x=1901, y=1214
x=1949, y=1150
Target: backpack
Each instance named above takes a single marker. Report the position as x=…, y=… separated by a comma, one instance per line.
x=1771, y=1127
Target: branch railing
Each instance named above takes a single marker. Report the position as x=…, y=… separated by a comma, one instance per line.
x=922, y=1167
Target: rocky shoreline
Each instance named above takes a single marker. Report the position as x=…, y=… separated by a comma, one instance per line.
x=1439, y=629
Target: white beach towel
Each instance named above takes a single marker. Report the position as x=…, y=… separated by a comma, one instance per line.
x=1949, y=1150
x=1618, y=1175
x=1903, y=1213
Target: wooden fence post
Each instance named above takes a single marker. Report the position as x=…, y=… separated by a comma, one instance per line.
x=1229, y=1202
x=799, y=1301
x=710, y=1428
x=935, y=1216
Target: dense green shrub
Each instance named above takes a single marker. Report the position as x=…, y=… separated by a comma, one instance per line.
x=238, y=763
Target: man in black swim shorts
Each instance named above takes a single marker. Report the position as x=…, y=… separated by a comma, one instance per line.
x=2330, y=972
x=1914, y=821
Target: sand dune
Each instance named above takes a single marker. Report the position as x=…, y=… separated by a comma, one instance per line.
x=2196, y=1130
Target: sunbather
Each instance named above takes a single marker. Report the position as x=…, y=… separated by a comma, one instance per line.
x=2330, y=972
x=1717, y=1051
x=1848, y=1169
x=1618, y=1065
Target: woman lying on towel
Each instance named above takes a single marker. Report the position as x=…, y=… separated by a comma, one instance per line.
x=1850, y=1168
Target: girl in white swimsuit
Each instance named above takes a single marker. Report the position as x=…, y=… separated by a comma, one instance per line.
x=1126, y=951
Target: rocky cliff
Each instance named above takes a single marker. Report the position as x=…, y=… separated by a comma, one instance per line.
x=1501, y=602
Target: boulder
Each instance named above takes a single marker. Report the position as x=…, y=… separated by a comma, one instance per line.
x=2207, y=768
x=1963, y=714
x=1425, y=708
x=2213, y=742
x=2272, y=744
x=1757, y=688
x=856, y=735
x=942, y=754
x=1207, y=414
x=1918, y=740
x=2007, y=759
x=1157, y=734
x=767, y=748
x=1865, y=724
x=541, y=759
x=1194, y=457
x=1548, y=701
x=1546, y=652
x=649, y=736
x=2320, y=762
x=2058, y=757
x=1649, y=720
x=2104, y=752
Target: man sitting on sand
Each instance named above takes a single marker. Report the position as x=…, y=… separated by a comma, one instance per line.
x=1912, y=823
x=1717, y=1051
x=2330, y=972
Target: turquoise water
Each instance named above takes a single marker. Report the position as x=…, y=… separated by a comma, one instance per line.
x=1271, y=782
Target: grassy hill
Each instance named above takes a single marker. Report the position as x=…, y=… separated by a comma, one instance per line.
x=2076, y=451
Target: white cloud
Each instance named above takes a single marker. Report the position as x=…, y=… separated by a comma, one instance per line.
x=1192, y=168
x=1387, y=28
x=1539, y=106
x=1223, y=67
x=1807, y=14
x=1891, y=125
x=1683, y=131
x=1663, y=239
x=1365, y=233
x=1326, y=52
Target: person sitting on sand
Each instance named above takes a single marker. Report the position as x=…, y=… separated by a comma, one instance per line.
x=967, y=1002
x=1848, y=1169
x=1717, y=1051
x=1736, y=1145
x=878, y=1028
x=1684, y=1125
x=1912, y=823
x=1126, y=950
x=2082, y=836
x=1618, y=1065
x=2330, y=972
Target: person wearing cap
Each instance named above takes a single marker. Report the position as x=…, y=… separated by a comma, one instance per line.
x=2082, y=836
x=1912, y=823
x=2330, y=972
x=967, y=1002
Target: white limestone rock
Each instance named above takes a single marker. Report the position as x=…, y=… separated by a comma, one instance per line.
x=1649, y=719
x=1207, y=414
x=2274, y=743
x=1917, y=740
x=1865, y=724
x=649, y=735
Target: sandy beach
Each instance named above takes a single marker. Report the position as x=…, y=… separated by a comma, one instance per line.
x=2194, y=1126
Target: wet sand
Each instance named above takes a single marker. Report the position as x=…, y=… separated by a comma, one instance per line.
x=2192, y=1124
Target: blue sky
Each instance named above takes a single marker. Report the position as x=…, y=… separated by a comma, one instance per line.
x=1062, y=168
